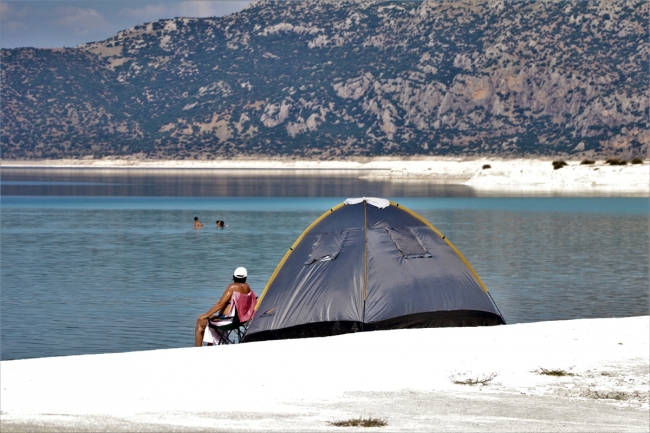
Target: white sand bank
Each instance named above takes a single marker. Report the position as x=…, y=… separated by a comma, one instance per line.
x=540, y=175
x=237, y=163
x=403, y=377
x=525, y=175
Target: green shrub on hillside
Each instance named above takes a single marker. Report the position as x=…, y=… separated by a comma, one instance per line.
x=559, y=164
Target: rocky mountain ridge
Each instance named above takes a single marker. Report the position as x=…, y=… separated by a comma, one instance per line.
x=331, y=79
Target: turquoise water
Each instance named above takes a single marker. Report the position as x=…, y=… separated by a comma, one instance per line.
x=124, y=271
x=214, y=205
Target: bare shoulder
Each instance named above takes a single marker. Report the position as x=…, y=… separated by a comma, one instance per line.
x=239, y=287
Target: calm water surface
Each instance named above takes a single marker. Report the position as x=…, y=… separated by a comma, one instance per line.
x=108, y=262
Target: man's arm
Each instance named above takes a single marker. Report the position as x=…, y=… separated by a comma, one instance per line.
x=221, y=304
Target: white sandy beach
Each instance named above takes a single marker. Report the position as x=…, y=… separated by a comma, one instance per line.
x=404, y=377
x=514, y=175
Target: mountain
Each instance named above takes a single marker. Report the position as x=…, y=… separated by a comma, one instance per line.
x=334, y=78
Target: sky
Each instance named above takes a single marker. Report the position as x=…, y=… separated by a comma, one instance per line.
x=65, y=23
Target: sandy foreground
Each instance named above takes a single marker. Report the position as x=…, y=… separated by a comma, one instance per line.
x=404, y=377
x=525, y=175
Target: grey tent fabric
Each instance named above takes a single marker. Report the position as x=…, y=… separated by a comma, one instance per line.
x=359, y=268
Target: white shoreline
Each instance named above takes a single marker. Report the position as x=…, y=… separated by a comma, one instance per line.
x=506, y=175
x=404, y=377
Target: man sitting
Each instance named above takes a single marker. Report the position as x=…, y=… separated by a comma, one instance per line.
x=222, y=308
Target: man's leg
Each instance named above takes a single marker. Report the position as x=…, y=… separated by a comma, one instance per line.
x=201, y=324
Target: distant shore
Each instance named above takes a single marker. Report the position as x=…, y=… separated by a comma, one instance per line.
x=575, y=375
x=485, y=174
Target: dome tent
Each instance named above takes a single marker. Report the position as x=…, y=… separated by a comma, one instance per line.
x=370, y=264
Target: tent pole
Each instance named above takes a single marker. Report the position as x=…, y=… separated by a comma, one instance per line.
x=497, y=307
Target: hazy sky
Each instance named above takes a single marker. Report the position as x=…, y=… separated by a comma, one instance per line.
x=64, y=23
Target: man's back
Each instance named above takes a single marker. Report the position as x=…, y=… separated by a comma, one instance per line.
x=243, y=288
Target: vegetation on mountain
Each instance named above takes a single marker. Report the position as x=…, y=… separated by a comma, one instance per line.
x=338, y=78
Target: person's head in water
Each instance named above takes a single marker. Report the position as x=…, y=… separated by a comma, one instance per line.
x=220, y=223
x=196, y=218
x=240, y=275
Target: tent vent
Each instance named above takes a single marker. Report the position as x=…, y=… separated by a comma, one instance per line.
x=327, y=247
x=408, y=243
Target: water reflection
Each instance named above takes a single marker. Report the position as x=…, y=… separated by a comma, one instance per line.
x=215, y=183
x=120, y=182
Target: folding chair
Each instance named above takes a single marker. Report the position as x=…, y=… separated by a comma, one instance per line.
x=231, y=329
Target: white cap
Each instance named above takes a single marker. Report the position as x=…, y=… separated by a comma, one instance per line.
x=240, y=273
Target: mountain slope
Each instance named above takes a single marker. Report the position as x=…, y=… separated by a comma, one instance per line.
x=342, y=78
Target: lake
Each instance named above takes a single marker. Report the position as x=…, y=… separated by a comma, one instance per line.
x=98, y=261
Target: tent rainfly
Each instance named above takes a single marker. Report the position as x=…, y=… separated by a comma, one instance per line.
x=370, y=264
